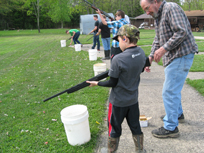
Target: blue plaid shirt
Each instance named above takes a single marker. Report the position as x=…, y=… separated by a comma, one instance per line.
x=115, y=26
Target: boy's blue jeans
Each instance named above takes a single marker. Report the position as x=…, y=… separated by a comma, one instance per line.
x=106, y=43
x=96, y=40
x=75, y=38
x=175, y=76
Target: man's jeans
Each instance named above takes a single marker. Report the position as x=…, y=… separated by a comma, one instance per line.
x=106, y=43
x=75, y=38
x=96, y=40
x=175, y=76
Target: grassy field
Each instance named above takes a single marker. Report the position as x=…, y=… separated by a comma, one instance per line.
x=197, y=84
x=35, y=67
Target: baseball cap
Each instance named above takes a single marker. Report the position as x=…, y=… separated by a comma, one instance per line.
x=129, y=31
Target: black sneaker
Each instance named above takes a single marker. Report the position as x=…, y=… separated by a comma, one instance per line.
x=180, y=119
x=163, y=133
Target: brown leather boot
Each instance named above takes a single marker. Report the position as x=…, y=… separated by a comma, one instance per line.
x=138, y=140
x=113, y=144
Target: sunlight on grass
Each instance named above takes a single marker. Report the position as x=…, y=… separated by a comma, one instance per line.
x=197, y=84
x=34, y=67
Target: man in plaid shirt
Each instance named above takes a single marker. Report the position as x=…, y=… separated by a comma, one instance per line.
x=175, y=43
x=115, y=26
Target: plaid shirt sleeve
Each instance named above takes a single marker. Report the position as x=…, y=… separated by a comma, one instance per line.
x=115, y=25
x=155, y=46
x=177, y=26
x=173, y=32
x=111, y=24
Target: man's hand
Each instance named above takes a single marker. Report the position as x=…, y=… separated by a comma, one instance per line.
x=70, y=44
x=158, y=54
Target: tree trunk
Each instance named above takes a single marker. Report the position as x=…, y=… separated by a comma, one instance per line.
x=38, y=15
x=92, y=9
x=87, y=8
x=61, y=24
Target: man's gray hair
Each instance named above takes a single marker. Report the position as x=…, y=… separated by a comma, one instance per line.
x=152, y=1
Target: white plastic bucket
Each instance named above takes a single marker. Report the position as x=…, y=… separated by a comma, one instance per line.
x=99, y=68
x=92, y=54
x=76, y=124
x=63, y=43
x=77, y=47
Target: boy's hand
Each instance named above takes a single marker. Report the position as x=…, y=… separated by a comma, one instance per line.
x=92, y=83
x=70, y=44
x=147, y=69
x=98, y=11
x=150, y=60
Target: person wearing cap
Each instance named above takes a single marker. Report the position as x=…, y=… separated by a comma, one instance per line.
x=124, y=75
x=114, y=25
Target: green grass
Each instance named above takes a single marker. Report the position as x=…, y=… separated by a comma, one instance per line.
x=35, y=67
x=147, y=49
x=201, y=34
x=200, y=44
x=197, y=84
x=198, y=64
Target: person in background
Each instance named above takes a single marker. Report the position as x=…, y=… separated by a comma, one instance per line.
x=114, y=25
x=74, y=36
x=126, y=18
x=95, y=30
x=105, y=36
x=175, y=43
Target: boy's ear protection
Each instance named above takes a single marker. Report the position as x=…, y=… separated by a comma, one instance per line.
x=124, y=38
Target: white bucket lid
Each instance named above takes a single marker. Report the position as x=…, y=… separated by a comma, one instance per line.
x=74, y=114
x=93, y=50
x=99, y=67
x=74, y=111
x=99, y=64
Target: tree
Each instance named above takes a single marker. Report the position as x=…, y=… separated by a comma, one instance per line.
x=34, y=7
x=193, y=5
x=60, y=11
x=7, y=6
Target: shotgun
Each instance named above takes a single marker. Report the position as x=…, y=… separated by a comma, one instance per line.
x=84, y=84
x=102, y=12
x=81, y=85
x=68, y=39
x=90, y=38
